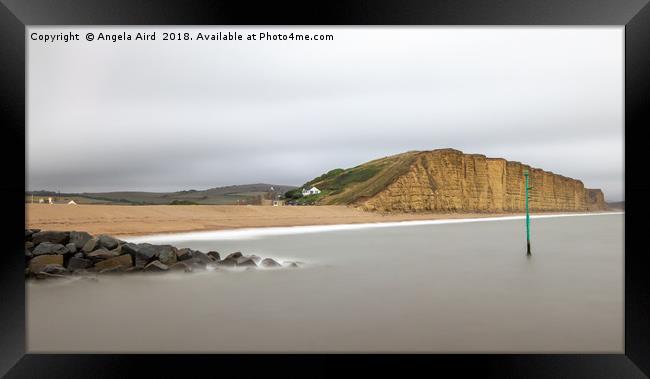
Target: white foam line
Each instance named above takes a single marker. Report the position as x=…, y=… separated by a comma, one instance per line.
x=251, y=233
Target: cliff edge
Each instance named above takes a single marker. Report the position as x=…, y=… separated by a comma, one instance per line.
x=448, y=180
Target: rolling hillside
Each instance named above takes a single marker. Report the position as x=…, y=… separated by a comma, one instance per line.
x=242, y=194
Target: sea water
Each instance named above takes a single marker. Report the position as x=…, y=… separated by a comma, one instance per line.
x=438, y=286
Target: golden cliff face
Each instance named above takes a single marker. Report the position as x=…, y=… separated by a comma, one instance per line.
x=449, y=181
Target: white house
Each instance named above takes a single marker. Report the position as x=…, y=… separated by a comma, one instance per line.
x=311, y=191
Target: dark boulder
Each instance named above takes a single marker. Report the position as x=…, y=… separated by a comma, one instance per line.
x=142, y=253
x=228, y=262
x=37, y=263
x=79, y=239
x=181, y=266
x=101, y=254
x=235, y=255
x=28, y=234
x=72, y=248
x=183, y=254
x=53, y=268
x=91, y=245
x=255, y=258
x=201, y=257
x=79, y=263
x=214, y=255
x=50, y=236
x=156, y=266
x=113, y=270
x=47, y=275
x=124, y=260
x=28, y=254
x=268, y=262
x=79, y=255
x=49, y=248
x=108, y=242
x=29, y=245
x=166, y=254
x=246, y=262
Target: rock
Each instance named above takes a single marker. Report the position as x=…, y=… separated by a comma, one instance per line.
x=166, y=254
x=50, y=236
x=46, y=275
x=79, y=255
x=156, y=266
x=72, y=248
x=118, y=250
x=195, y=263
x=255, y=258
x=79, y=239
x=29, y=245
x=79, y=263
x=214, y=255
x=113, y=270
x=268, y=262
x=101, y=254
x=124, y=260
x=183, y=254
x=143, y=253
x=202, y=258
x=108, y=242
x=53, y=268
x=28, y=254
x=235, y=255
x=181, y=266
x=228, y=262
x=49, y=248
x=246, y=262
x=91, y=245
x=37, y=263
x=290, y=264
x=130, y=248
x=28, y=234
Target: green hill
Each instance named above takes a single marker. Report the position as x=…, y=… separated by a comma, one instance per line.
x=346, y=186
x=236, y=194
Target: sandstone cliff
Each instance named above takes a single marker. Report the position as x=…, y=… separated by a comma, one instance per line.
x=448, y=180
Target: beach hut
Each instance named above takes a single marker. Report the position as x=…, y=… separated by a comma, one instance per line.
x=71, y=202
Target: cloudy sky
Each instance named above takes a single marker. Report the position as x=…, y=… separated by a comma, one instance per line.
x=171, y=115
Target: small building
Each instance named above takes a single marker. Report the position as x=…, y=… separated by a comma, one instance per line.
x=71, y=202
x=311, y=191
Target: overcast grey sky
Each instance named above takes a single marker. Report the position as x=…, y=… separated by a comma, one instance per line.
x=171, y=115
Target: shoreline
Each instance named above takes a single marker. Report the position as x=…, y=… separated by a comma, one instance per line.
x=247, y=233
x=171, y=219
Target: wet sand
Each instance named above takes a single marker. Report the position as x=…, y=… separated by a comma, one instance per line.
x=152, y=219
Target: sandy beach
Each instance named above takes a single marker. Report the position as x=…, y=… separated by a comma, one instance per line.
x=151, y=219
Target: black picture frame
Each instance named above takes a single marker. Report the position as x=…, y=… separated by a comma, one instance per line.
x=15, y=15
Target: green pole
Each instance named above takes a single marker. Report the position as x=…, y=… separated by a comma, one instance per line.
x=527, y=217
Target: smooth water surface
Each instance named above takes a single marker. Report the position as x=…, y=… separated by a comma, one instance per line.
x=449, y=287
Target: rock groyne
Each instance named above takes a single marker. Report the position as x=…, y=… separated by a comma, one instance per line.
x=55, y=254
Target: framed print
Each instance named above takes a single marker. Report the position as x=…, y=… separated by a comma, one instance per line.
x=375, y=186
